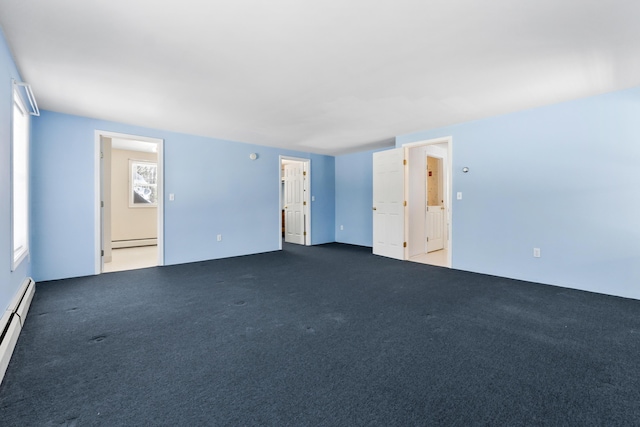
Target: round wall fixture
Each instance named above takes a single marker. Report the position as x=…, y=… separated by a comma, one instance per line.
x=465, y=169
x=253, y=156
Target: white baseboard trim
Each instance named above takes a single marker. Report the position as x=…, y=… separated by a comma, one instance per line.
x=117, y=244
x=12, y=322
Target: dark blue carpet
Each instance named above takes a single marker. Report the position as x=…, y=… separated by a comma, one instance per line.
x=321, y=336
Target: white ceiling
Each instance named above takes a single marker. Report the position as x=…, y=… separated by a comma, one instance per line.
x=330, y=76
x=134, y=145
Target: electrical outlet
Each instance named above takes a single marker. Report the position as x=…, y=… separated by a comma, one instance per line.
x=536, y=252
x=219, y=237
x=342, y=227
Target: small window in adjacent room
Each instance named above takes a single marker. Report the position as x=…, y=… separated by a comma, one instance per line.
x=143, y=184
x=19, y=180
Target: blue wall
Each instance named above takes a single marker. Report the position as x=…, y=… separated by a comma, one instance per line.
x=9, y=281
x=218, y=190
x=563, y=178
x=354, y=198
x=323, y=190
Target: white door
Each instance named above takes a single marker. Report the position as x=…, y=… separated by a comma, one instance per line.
x=435, y=228
x=416, y=186
x=388, y=203
x=102, y=210
x=294, y=203
x=435, y=204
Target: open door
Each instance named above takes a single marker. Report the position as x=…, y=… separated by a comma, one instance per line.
x=435, y=205
x=105, y=189
x=435, y=228
x=132, y=149
x=388, y=203
x=294, y=203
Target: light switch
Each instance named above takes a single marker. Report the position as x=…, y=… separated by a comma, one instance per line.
x=171, y=197
x=313, y=198
x=459, y=195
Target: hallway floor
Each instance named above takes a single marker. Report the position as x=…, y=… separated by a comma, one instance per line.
x=438, y=258
x=132, y=259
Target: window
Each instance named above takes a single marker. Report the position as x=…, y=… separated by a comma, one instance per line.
x=19, y=180
x=143, y=184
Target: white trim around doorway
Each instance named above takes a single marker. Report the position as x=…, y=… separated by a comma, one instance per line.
x=97, y=184
x=449, y=141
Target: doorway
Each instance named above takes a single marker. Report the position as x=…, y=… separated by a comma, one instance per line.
x=129, y=221
x=295, y=208
x=429, y=202
x=405, y=227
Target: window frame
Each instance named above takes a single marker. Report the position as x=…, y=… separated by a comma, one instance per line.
x=132, y=164
x=21, y=252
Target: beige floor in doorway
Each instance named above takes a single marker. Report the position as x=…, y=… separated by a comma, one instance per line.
x=132, y=259
x=438, y=258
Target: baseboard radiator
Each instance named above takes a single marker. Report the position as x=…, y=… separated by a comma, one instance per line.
x=12, y=322
x=133, y=243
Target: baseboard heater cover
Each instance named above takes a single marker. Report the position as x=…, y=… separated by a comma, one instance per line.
x=118, y=244
x=12, y=322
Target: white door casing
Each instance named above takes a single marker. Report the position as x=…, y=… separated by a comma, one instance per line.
x=98, y=192
x=294, y=221
x=441, y=148
x=388, y=203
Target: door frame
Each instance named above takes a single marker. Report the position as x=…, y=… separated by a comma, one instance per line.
x=449, y=193
x=306, y=198
x=98, y=185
